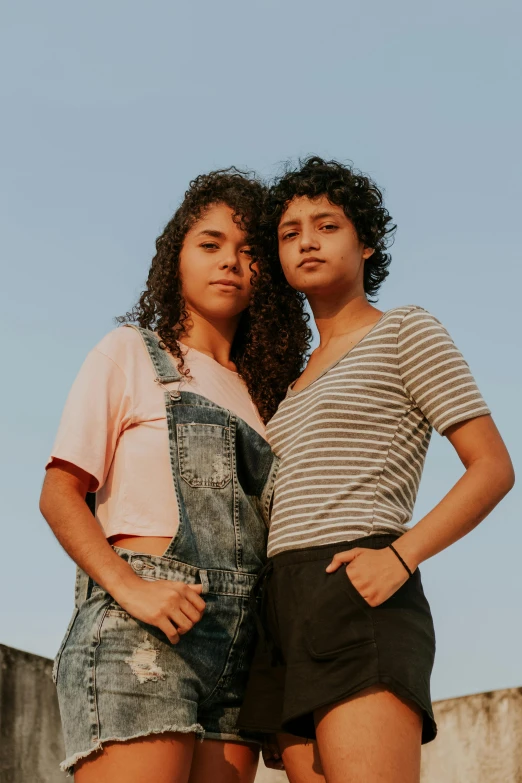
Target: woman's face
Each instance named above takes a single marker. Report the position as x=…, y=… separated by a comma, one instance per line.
x=319, y=249
x=215, y=266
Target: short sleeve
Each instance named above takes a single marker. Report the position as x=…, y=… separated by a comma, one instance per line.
x=97, y=410
x=434, y=372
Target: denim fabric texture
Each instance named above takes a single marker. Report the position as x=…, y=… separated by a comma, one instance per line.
x=118, y=678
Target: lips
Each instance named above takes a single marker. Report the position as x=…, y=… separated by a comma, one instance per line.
x=310, y=260
x=228, y=282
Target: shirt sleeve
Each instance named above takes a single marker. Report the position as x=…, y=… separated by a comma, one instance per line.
x=97, y=410
x=435, y=374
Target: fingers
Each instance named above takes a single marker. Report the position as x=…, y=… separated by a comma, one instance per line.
x=192, y=595
x=182, y=622
x=190, y=611
x=185, y=616
x=343, y=557
x=169, y=630
x=188, y=607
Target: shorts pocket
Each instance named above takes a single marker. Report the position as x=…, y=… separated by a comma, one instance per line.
x=353, y=592
x=204, y=455
x=56, y=663
x=338, y=620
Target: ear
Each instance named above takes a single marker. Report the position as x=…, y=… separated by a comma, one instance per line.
x=367, y=252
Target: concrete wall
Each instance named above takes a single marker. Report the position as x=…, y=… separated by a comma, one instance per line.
x=480, y=737
x=31, y=744
x=479, y=741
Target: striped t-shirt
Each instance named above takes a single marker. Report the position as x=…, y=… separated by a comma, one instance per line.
x=352, y=443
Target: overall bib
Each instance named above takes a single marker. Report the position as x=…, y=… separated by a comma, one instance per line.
x=119, y=678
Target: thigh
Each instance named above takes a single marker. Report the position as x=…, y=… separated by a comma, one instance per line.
x=224, y=762
x=163, y=758
x=373, y=735
x=301, y=759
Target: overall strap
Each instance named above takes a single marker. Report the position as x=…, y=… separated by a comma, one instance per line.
x=163, y=367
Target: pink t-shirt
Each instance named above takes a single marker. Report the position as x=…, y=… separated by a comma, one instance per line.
x=114, y=427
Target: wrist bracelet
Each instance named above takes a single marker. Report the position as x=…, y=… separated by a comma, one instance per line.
x=406, y=566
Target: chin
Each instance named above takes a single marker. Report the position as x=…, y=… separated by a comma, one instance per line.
x=316, y=283
x=224, y=312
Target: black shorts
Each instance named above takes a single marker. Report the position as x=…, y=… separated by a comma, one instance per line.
x=321, y=642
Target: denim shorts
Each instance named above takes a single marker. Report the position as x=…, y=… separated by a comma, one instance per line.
x=119, y=679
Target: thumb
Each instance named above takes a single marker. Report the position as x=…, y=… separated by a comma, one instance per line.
x=196, y=588
x=343, y=557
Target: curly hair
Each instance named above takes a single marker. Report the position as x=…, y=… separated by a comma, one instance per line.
x=344, y=186
x=273, y=336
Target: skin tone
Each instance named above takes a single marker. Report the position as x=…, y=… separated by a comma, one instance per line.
x=215, y=269
x=375, y=735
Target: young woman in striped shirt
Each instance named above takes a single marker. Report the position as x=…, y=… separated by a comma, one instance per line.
x=349, y=642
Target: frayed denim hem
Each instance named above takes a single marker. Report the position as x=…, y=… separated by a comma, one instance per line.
x=68, y=765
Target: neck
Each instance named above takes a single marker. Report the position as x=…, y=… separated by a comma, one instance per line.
x=336, y=315
x=213, y=338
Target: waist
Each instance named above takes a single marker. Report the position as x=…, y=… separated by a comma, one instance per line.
x=150, y=545
x=327, y=551
x=154, y=567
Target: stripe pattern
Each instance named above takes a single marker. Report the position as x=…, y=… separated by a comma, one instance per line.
x=352, y=444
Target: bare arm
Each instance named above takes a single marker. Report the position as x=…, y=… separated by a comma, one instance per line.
x=488, y=478
x=173, y=607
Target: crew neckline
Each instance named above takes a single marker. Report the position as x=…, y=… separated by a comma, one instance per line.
x=208, y=358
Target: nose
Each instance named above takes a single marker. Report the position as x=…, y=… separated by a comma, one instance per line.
x=308, y=239
x=229, y=262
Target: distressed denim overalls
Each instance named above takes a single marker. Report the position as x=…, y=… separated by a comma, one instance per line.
x=118, y=678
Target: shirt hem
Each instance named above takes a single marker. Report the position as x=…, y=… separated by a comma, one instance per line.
x=342, y=537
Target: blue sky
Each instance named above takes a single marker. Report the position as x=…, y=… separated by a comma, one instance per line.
x=110, y=108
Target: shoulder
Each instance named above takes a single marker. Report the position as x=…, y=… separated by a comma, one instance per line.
x=413, y=319
x=123, y=346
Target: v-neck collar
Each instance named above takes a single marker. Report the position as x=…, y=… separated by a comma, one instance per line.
x=291, y=393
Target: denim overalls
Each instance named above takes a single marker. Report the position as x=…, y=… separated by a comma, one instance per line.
x=118, y=678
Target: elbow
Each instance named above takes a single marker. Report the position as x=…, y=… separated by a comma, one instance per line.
x=505, y=479
x=510, y=478
x=47, y=496
x=44, y=502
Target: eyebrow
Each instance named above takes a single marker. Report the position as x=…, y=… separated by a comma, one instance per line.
x=209, y=232
x=317, y=216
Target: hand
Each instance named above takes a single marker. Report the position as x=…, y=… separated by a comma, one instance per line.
x=271, y=753
x=173, y=607
x=375, y=573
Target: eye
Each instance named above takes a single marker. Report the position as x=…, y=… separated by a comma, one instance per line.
x=247, y=252
x=210, y=245
x=329, y=227
x=289, y=235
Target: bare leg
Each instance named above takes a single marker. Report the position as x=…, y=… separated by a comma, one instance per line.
x=224, y=762
x=301, y=759
x=163, y=758
x=373, y=736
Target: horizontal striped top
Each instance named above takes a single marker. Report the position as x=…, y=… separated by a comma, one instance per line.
x=352, y=443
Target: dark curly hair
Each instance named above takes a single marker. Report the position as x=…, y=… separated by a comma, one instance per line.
x=273, y=336
x=344, y=186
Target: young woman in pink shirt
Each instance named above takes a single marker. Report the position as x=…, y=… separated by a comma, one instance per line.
x=165, y=423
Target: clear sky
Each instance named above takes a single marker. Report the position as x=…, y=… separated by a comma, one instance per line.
x=110, y=108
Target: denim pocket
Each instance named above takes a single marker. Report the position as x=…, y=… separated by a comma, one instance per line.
x=204, y=455
x=62, y=646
